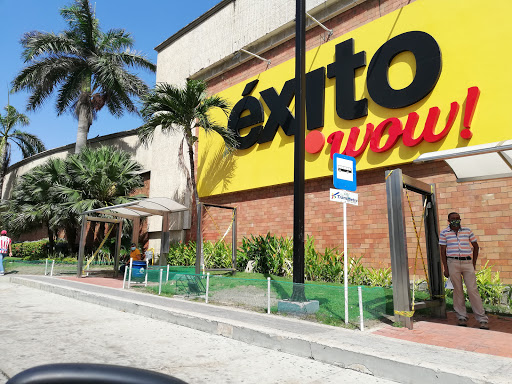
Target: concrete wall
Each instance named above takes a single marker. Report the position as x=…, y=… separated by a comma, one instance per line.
x=211, y=45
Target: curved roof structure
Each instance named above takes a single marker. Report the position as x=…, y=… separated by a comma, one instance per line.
x=141, y=208
x=478, y=162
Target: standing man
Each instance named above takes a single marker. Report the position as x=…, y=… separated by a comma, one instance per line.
x=459, y=252
x=5, y=248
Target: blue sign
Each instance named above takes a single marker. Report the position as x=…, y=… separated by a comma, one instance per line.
x=344, y=172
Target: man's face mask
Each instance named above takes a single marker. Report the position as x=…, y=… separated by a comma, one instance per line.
x=133, y=248
x=455, y=223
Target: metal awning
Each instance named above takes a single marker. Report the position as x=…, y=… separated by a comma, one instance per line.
x=478, y=162
x=141, y=208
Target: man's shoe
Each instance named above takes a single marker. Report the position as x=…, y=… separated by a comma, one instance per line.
x=462, y=323
x=484, y=325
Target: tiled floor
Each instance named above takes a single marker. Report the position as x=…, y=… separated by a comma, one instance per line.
x=445, y=333
x=441, y=332
x=103, y=281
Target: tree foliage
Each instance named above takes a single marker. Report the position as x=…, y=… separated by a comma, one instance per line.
x=28, y=143
x=184, y=109
x=85, y=67
x=56, y=193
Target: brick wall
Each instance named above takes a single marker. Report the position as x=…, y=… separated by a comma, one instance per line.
x=484, y=206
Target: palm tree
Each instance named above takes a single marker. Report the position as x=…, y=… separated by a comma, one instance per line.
x=28, y=143
x=86, y=66
x=99, y=178
x=56, y=193
x=183, y=109
x=34, y=204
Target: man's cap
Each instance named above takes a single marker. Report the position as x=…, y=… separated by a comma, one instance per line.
x=4, y=232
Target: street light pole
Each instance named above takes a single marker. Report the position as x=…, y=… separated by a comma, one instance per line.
x=299, y=163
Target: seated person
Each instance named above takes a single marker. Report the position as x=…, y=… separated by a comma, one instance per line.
x=135, y=255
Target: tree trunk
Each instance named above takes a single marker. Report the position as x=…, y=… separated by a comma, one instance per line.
x=71, y=238
x=192, y=171
x=83, y=128
x=51, y=241
x=3, y=168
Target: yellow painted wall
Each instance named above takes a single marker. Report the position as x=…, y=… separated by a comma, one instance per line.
x=474, y=42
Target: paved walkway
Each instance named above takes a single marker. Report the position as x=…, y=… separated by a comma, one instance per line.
x=45, y=328
x=445, y=333
x=434, y=351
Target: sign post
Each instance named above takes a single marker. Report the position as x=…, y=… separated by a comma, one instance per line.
x=344, y=176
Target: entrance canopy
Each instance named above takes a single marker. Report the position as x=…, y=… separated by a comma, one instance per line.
x=479, y=162
x=134, y=210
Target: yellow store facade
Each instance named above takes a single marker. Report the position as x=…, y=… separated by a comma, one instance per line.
x=395, y=80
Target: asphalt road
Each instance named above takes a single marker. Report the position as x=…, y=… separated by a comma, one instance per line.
x=44, y=328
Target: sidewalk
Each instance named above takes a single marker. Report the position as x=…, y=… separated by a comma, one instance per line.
x=434, y=351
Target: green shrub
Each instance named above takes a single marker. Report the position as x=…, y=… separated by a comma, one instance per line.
x=489, y=285
x=274, y=255
x=182, y=254
x=217, y=255
x=271, y=254
x=31, y=250
x=378, y=277
x=68, y=260
x=327, y=266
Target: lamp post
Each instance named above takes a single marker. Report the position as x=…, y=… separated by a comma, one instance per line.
x=299, y=172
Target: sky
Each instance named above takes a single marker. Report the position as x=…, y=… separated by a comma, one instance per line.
x=149, y=22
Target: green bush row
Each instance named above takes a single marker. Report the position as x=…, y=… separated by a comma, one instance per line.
x=271, y=254
x=31, y=250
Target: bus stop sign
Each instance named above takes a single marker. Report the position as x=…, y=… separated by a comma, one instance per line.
x=344, y=172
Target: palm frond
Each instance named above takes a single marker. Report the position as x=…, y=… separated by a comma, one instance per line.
x=28, y=143
x=43, y=45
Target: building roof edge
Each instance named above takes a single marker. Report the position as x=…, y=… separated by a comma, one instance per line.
x=192, y=25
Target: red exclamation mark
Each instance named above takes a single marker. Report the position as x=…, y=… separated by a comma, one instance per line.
x=472, y=99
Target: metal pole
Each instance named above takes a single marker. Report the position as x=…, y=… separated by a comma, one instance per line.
x=167, y=278
x=124, y=277
x=345, y=260
x=300, y=123
x=207, y=285
x=233, y=242
x=130, y=274
x=160, y=283
x=53, y=263
x=268, y=294
x=361, y=317
x=118, y=247
x=136, y=230
x=46, y=268
x=81, y=247
x=398, y=246
x=165, y=241
x=146, y=277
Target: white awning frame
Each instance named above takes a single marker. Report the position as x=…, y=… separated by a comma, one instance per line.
x=134, y=210
x=478, y=162
x=141, y=208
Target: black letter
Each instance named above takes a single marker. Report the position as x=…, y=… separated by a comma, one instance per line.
x=315, y=98
x=344, y=68
x=428, y=68
x=280, y=115
x=236, y=123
